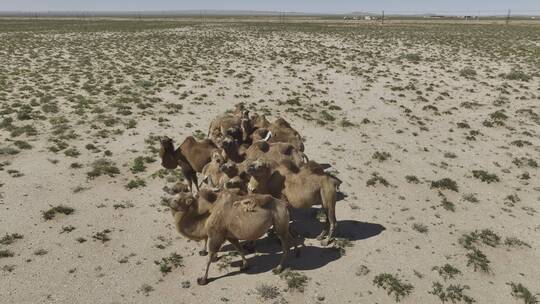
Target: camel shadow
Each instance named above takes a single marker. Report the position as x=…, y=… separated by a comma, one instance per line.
x=307, y=225
x=310, y=257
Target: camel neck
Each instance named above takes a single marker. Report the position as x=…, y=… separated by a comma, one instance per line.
x=191, y=225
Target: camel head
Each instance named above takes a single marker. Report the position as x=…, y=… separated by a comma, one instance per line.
x=259, y=121
x=181, y=204
x=166, y=152
x=259, y=169
x=245, y=114
x=230, y=145
x=217, y=157
x=229, y=168
x=234, y=132
x=235, y=183
x=247, y=128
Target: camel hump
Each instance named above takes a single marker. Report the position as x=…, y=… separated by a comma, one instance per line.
x=262, y=145
x=207, y=195
x=282, y=123
x=290, y=165
x=188, y=142
x=287, y=149
x=246, y=205
x=314, y=167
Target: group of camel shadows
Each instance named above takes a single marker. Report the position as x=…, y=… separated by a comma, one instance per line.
x=254, y=174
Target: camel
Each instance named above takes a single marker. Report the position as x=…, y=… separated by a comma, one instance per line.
x=191, y=156
x=233, y=176
x=211, y=171
x=198, y=153
x=301, y=187
x=275, y=151
x=280, y=131
x=171, y=159
x=232, y=150
x=219, y=125
x=236, y=184
x=230, y=217
x=259, y=121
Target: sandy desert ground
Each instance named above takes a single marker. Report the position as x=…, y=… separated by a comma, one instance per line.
x=434, y=129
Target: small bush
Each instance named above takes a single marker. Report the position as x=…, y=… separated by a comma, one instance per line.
x=10, y=238
x=51, y=213
x=393, y=285
x=295, y=280
x=447, y=271
x=478, y=260
x=267, y=292
x=515, y=242
x=411, y=179
x=376, y=178
x=6, y=253
x=467, y=72
x=453, y=293
x=102, y=236
x=138, y=165
x=168, y=263
x=135, y=183
x=516, y=74
x=413, y=57
x=103, y=166
x=485, y=176
x=420, y=227
x=445, y=183
x=381, y=156
x=521, y=292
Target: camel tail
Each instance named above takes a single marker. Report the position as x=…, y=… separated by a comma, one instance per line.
x=209, y=128
x=335, y=179
x=328, y=195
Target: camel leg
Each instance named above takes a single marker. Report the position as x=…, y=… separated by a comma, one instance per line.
x=326, y=226
x=213, y=247
x=285, y=248
x=236, y=245
x=331, y=214
x=188, y=179
x=195, y=181
x=203, y=251
x=249, y=246
x=204, y=280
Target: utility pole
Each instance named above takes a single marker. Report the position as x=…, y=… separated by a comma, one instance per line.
x=382, y=18
x=508, y=17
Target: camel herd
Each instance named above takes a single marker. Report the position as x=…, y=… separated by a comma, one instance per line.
x=252, y=172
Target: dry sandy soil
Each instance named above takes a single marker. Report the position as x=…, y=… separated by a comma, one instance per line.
x=434, y=129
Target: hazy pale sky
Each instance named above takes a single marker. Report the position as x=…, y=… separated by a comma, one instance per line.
x=328, y=6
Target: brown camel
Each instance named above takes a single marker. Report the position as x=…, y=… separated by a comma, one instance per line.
x=231, y=217
x=302, y=187
x=276, y=152
x=219, y=125
x=191, y=156
x=211, y=171
x=198, y=153
x=280, y=131
x=171, y=159
x=232, y=150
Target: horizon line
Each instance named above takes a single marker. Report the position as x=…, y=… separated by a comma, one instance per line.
x=260, y=12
